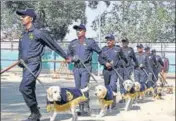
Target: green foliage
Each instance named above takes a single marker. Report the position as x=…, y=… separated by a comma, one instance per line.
x=55, y=16
x=146, y=21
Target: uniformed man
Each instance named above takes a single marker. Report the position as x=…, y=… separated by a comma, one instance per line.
x=151, y=63
x=31, y=46
x=139, y=73
x=110, y=57
x=130, y=55
x=159, y=64
x=82, y=49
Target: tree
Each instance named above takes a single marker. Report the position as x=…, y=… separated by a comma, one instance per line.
x=140, y=21
x=54, y=16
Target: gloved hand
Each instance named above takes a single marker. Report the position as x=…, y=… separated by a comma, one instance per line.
x=75, y=58
x=21, y=65
x=136, y=66
x=141, y=66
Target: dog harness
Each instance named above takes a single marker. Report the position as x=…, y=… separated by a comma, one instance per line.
x=108, y=99
x=70, y=97
x=130, y=94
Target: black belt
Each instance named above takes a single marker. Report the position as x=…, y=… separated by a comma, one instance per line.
x=80, y=65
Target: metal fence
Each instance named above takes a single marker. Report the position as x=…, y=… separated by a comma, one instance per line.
x=9, y=54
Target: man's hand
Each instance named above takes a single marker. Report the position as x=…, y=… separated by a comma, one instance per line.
x=75, y=58
x=20, y=64
x=141, y=66
x=108, y=65
x=68, y=60
x=136, y=67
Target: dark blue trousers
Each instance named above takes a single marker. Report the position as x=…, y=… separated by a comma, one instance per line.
x=140, y=76
x=82, y=78
x=110, y=78
x=28, y=83
x=126, y=72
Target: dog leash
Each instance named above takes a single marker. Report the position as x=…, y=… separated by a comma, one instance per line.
x=88, y=70
x=25, y=65
x=116, y=71
x=147, y=75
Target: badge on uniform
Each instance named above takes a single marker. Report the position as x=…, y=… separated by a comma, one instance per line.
x=149, y=57
x=31, y=36
x=69, y=96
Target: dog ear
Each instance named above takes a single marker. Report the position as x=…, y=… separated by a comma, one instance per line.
x=49, y=92
x=104, y=91
x=124, y=83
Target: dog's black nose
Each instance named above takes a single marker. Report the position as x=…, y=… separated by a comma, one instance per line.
x=96, y=94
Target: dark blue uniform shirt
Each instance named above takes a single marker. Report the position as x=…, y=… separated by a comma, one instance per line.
x=111, y=54
x=130, y=55
x=83, y=50
x=32, y=43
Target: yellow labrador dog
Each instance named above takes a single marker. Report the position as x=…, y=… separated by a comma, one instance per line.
x=64, y=99
x=158, y=90
x=129, y=96
x=140, y=90
x=105, y=96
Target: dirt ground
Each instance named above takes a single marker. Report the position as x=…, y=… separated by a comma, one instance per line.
x=13, y=107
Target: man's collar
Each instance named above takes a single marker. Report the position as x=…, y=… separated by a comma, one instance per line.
x=32, y=28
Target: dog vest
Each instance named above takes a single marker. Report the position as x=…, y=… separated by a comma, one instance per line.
x=131, y=94
x=108, y=99
x=69, y=97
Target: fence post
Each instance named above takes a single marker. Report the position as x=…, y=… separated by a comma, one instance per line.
x=54, y=61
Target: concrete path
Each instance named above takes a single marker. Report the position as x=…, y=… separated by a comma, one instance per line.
x=13, y=107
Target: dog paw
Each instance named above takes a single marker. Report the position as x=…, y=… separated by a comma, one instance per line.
x=51, y=119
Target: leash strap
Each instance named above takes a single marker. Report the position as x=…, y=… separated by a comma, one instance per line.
x=25, y=65
x=88, y=71
x=147, y=75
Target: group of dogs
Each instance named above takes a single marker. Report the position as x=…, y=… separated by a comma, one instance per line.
x=134, y=91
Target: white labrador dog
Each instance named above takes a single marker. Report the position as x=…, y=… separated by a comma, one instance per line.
x=101, y=92
x=130, y=89
x=54, y=94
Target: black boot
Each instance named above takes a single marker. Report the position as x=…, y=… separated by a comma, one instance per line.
x=35, y=116
x=87, y=111
x=81, y=109
x=32, y=109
